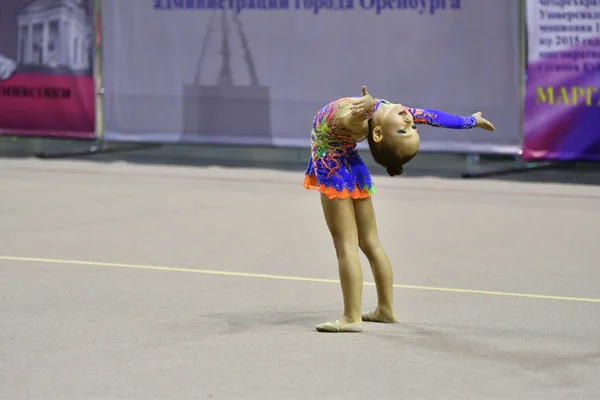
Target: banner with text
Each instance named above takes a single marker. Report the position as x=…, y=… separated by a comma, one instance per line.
x=562, y=106
x=46, y=79
x=257, y=71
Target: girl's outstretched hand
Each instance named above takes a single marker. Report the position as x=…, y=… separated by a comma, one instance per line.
x=364, y=104
x=483, y=123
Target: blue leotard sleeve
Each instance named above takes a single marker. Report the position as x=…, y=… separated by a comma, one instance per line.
x=441, y=119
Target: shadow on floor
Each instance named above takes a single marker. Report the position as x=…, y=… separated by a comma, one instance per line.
x=447, y=166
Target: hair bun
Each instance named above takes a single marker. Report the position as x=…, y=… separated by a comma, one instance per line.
x=396, y=170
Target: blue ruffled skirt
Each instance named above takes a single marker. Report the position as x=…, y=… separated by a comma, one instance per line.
x=339, y=175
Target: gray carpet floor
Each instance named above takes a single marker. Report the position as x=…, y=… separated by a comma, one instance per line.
x=122, y=281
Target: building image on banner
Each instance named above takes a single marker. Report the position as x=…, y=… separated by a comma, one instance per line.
x=226, y=108
x=46, y=74
x=54, y=35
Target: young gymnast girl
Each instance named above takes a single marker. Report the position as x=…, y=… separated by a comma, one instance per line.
x=337, y=171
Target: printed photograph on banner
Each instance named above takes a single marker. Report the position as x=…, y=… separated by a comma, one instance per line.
x=248, y=102
x=256, y=72
x=46, y=68
x=562, y=103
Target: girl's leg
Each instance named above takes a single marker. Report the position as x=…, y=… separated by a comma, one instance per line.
x=339, y=216
x=368, y=240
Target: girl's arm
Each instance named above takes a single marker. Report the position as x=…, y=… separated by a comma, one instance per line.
x=358, y=112
x=440, y=119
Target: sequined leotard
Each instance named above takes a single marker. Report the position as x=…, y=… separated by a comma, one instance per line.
x=336, y=168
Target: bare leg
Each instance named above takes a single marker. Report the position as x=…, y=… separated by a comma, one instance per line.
x=368, y=239
x=339, y=215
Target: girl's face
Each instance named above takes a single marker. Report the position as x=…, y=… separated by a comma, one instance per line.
x=398, y=129
x=394, y=141
x=398, y=121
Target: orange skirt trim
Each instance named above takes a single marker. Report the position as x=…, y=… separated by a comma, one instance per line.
x=310, y=183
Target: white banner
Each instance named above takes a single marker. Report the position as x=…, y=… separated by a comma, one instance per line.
x=257, y=71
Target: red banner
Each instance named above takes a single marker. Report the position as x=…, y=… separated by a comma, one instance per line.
x=46, y=68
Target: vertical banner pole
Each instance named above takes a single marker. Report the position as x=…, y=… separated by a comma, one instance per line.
x=523, y=67
x=98, y=31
